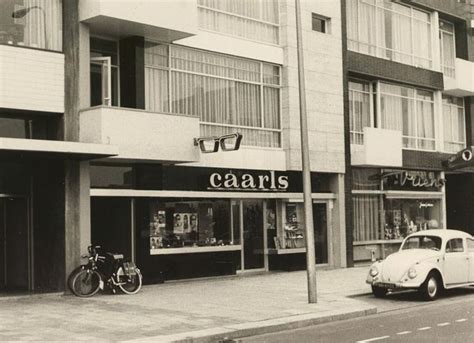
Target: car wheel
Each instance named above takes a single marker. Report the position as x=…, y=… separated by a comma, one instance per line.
x=379, y=292
x=430, y=289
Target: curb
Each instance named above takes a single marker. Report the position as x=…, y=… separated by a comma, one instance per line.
x=226, y=333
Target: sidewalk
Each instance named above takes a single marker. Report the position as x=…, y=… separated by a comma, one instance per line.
x=197, y=311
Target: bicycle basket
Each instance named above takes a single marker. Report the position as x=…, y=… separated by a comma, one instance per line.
x=129, y=268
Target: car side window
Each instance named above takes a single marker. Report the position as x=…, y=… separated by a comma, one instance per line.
x=454, y=245
x=470, y=244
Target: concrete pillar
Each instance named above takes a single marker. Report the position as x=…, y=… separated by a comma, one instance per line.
x=76, y=179
x=338, y=222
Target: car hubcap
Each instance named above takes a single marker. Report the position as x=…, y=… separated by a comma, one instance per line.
x=432, y=287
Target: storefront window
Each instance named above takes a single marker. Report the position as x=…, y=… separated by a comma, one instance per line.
x=406, y=216
x=390, y=204
x=178, y=223
x=32, y=23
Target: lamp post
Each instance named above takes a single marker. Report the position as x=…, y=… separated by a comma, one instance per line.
x=24, y=11
x=306, y=170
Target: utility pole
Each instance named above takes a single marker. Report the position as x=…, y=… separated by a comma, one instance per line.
x=308, y=202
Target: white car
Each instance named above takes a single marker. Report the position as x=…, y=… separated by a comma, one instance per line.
x=429, y=261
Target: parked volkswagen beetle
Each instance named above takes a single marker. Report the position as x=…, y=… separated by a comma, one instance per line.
x=428, y=261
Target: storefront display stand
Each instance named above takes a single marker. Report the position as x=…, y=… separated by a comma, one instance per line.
x=194, y=250
x=286, y=251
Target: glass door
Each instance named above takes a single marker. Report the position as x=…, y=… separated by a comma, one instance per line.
x=252, y=229
x=321, y=232
x=14, y=242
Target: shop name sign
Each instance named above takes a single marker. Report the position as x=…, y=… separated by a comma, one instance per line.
x=248, y=182
x=415, y=179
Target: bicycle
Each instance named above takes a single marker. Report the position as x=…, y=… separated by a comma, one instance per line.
x=104, y=270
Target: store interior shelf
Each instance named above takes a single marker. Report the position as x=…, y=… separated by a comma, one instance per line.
x=286, y=251
x=194, y=250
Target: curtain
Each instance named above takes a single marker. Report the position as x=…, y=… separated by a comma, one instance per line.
x=367, y=217
x=226, y=93
x=448, y=54
x=271, y=107
x=43, y=24
x=263, y=12
x=367, y=28
x=422, y=46
x=425, y=118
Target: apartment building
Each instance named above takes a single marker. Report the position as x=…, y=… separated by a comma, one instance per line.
x=101, y=105
x=410, y=82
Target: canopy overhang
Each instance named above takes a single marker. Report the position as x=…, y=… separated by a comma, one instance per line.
x=38, y=148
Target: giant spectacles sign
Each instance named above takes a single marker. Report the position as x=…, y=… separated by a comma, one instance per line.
x=266, y=181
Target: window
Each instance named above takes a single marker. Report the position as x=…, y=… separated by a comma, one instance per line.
x=178, y=223
x=454, y=124
x=454, y=245
x=382, y=212
x=448, y=49
x=422, y=242
x=359, y=110
x=470, y=245
x=227, y=93
x=320, y=23
x=390, y=30
x=255, y=20
x=411, y=111
x=104, y=72
x=32, y=23
x=30, y=127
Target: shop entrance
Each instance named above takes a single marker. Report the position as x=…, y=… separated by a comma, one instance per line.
x=14, y=242
x=320, y=223
x=252, y=230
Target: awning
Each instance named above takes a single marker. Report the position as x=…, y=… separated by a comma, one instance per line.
x=39, y=148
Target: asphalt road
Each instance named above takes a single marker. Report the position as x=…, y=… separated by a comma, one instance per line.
x=404, y=318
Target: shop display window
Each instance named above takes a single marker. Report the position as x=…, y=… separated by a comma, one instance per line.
x=291, y=234
x=176, y=223
x=406, y=216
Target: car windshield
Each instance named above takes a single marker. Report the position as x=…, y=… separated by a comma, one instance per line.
x=422, y=242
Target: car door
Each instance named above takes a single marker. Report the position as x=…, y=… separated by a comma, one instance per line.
x=470, y=251
x=456, y=262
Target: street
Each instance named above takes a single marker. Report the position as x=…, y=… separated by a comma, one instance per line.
x=401, y=318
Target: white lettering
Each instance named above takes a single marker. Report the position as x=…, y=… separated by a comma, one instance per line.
x=272, y=180
x=283, y=182
x=231, y=181
x=248, y=181
x=213, y=178
x=261, y=181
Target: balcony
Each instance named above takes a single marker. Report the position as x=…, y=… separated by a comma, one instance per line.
x=463, y=84
x=32, y=80
x=140, y=135
x=163, y=20
x=381, y=148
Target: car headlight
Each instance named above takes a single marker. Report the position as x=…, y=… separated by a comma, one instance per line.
x=412, y=273
x=373, y=271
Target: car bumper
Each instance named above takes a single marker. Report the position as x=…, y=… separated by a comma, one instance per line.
x=394, y=285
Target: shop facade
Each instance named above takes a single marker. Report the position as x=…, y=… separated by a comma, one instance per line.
x=185, y=222
x=389, y=204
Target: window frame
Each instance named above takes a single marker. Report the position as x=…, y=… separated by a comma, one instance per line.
x=451, y=107
x=449, y=71
x=201, y=7
x=377, y=49
x=352, y=118
x=325, y=21
x=260, y=83
x=451, y=249
x=415, y=99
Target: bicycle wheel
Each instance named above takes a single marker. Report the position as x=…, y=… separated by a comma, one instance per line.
x=85, y=283
x=129, y=284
